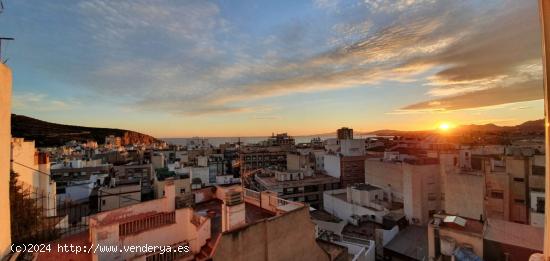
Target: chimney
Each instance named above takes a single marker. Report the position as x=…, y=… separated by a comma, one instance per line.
x=43, y=158
x=233, y=210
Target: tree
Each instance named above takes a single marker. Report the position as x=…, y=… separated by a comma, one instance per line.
x=28, y=223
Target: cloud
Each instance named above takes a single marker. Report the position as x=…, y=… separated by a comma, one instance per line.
x=40, y=102
x=395, y=5
x=525, y=91
x=188, y=58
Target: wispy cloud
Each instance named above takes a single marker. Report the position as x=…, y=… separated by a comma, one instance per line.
x=189, y=58
x=40, y=102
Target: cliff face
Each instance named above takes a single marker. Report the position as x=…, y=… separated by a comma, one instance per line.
x=47, y=134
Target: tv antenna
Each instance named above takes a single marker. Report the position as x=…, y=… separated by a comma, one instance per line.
x=4, y=39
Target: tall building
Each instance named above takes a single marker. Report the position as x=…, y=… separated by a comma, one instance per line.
x=5, y=134
x=344, y=133
x=348, y=164
x=281, y=139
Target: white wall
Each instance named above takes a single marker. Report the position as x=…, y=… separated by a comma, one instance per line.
x=344, y=210
x=202, y=173
x=332, y=165
x=22, y=152
x=5, y=135
x=355, y=147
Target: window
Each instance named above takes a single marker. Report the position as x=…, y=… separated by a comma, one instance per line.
x=182, y=190
x=103, y=202
x=519, y=179
x=519, y=201
x=497, y=194
x=540, y=204
x=432, y=196
x=538, y=170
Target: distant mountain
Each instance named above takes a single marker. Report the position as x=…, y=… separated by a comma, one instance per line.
x=52, y=134
x=535, y=127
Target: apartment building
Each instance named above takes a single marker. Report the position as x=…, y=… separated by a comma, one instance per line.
x=302, y=186
x=262, y=157
x=347, y=163
x=344, y=133
x=227, y=223
x=413, y=182
x=115, y=194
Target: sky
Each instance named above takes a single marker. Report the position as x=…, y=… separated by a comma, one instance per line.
x=251, y=68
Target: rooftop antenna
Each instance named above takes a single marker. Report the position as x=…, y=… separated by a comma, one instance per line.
x=4, y=39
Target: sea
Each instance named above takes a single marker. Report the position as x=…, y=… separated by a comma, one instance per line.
x=216, y=141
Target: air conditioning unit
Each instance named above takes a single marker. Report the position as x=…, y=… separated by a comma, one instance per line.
x=233, y=197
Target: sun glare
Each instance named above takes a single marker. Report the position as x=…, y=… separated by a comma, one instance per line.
x=444, y=126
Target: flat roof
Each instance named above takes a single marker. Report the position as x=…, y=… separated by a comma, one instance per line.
x=411, y=242
x=252, y=213
x=316, y=179
x=470, y=225
x=515, y=234
x=324, y=216
x=366, y=187
x=365, y=230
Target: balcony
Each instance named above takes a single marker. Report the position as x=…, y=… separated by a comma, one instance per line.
x=269, y=201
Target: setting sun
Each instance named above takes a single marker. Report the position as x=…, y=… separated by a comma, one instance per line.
x=444, y=126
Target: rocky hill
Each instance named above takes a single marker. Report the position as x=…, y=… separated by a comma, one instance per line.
x=52, y=134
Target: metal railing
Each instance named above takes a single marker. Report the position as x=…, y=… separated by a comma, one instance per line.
x=37, y=217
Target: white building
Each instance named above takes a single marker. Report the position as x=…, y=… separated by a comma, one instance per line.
x=33, y=168
x=158, y=160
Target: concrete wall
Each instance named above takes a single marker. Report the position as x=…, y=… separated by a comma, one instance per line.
x=202, y=173
x=332, y=165
x=273, y=239
x=104, y=228
x=355, y=147
x=23, y=152
x=5, y=135
x=183, y=186
x=119, y=196
x=344, y=210
x=518, y=168
x=497, y=207
x=387, y=175
x=464, y=195
x=421, y=191
x=383, y=237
